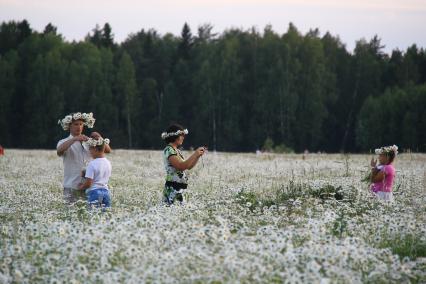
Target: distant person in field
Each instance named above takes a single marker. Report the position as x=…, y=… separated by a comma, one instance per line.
x=175, y=164
x=383, y=174
x=97, y=174
x=74, y=153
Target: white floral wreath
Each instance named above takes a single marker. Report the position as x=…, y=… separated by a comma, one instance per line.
x=165, y=135
x=91, y=142
x=88, y=119
x=387, y=149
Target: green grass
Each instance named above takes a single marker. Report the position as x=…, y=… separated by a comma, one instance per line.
x=408, y=246
x=285, y=193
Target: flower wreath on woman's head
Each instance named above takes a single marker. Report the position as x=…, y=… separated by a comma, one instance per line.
x=165, y=135
x=387, y=149
x=87, y=118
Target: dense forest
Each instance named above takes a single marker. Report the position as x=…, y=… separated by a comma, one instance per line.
x=240, y=90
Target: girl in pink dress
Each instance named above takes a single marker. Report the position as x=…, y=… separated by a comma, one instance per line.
x=383, y=174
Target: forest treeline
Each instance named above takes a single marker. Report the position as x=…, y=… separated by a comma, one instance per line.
x=240, y=90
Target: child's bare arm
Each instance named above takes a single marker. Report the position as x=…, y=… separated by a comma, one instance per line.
x=377, y=175
x=86, y=184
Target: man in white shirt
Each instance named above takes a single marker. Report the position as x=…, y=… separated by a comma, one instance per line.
x=75, y=155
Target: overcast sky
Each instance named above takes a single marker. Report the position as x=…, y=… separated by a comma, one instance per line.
x=399, y=23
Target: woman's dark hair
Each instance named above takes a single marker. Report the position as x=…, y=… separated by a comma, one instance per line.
x=173, y=128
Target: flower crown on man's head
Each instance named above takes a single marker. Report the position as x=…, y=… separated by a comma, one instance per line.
x=91, y=142
x=87, y=118
x=165, y=135
x=387, y=149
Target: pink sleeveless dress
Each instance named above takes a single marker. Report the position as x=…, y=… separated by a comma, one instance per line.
x=383, y=189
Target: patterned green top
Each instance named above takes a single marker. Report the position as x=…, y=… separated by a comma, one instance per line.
x=173, y=174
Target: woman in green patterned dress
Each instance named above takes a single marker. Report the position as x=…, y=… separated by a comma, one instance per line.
x=175, y=164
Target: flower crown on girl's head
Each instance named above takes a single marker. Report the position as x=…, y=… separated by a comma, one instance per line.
x=387, y=149
x=91, y=142
x=88, y=119
x=165, y=135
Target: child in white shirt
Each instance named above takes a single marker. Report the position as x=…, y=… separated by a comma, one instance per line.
x=97, y=175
